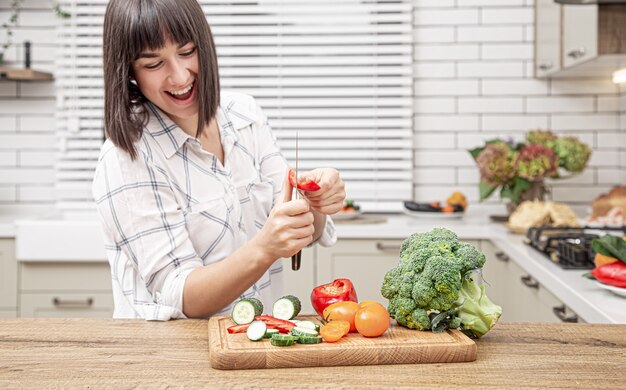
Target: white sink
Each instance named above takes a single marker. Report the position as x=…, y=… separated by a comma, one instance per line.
x=59, y=237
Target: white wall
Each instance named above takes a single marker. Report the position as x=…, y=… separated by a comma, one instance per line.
x=474, y=81
x=27, y=140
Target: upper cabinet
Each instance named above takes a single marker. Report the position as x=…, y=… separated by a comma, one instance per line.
x=579, y=40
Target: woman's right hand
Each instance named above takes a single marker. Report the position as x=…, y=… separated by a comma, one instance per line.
x=289, y=227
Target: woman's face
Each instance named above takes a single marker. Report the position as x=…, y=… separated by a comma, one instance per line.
x=167, y=78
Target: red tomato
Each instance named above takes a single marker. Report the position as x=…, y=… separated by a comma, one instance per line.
x=342, y=311
x=304, y=185
x=372, y=320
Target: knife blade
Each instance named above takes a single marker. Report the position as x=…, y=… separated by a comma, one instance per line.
x=295, y=259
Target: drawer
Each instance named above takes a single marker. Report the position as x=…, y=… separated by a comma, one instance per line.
x=12, y=313
x=66, y=305
x=65, y=276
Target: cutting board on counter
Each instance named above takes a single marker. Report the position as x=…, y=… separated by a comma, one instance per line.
x=397, y=346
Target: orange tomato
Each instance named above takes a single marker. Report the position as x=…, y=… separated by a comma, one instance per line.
x=370, y=303
x=372, y=320
x=342, y=311
x=334, y=331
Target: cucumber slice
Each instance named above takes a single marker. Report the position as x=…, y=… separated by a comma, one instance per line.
x=309, y=340
x=245, y=310
x=256, y=330
x=270, y=332
x=282, y=340
x=286, y=307
x=308, y=324
x=305, y=332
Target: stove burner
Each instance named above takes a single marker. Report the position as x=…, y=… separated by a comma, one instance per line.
x=568, y=247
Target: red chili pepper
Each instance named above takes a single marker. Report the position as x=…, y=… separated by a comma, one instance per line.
x=339, y=290
x=613, y=274
x=308, y=185
x=238, y=328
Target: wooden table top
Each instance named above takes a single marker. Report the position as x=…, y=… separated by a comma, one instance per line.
x=61, y=353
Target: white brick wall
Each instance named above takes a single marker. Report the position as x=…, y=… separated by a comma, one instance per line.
x=474, y=81
x=27, y=140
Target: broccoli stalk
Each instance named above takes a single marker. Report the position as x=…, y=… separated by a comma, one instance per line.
x=476, y=311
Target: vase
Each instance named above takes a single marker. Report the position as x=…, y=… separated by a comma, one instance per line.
x=537, y=191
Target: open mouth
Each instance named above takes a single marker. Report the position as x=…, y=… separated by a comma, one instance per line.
x=183, y=94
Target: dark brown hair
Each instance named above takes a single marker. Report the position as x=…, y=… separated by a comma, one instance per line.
x=132, y=26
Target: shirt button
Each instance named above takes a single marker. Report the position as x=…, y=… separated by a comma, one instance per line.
x=231, y=188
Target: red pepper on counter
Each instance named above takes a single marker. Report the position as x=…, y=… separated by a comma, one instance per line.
x=307, y=185
x=339, y=290
x=613, y=274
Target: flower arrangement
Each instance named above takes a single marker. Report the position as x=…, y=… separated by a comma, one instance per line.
x=515, y=168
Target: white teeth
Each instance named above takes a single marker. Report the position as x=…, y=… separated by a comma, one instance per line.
x=182, y=91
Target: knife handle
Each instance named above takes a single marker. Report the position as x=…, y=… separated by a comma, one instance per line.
x=295, y=261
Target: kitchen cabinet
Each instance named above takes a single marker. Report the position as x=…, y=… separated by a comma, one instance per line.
x=301, y=282
x=8, y=278
x=65, y=289
x=522, y=298
x=364, y=262
x=579, y=40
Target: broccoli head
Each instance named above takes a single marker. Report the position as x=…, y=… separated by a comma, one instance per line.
x=430, y=279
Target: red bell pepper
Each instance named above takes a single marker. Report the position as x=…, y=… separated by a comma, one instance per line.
x=307, y=185
x=238, y=328
x=613, y=274
x=283, y=326
x=339, y=290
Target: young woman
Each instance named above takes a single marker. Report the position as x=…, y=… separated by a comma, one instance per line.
x=191, y=187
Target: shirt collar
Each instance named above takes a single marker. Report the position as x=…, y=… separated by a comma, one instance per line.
x=230, y=118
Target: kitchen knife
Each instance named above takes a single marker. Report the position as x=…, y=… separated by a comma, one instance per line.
x=295, y=259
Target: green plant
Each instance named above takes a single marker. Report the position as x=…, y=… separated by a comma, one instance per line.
x=11, y=24
x=514, y=167
x=432, y=287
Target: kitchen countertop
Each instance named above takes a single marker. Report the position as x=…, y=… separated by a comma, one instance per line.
x=62, y=353
x=80, y=240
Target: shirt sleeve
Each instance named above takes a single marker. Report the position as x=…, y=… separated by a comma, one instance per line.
x=274, y=165
x=142, y=219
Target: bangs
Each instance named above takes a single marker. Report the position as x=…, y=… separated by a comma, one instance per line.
x=153, y=22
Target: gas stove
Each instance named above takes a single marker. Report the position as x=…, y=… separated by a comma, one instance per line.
x=568, y=247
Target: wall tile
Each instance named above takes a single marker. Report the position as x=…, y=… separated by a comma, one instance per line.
x=514, y=122
x=445, y=17
x=446, y=87
x=584, y=122
x=491, y=69
x=559, y=104
x=446, y=122
x=434, y=34
x=434, y=105
x=508, y=16
x=437, y=70
x=504, y=87
x=507, y=51
x=491, y=34
x=434, y=176
x=446, y=52
x=8, y=122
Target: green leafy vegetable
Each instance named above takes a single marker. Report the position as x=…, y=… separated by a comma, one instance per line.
x=612, y=246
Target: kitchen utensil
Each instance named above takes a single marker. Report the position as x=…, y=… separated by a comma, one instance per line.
x=397, y=345
x=296, y=259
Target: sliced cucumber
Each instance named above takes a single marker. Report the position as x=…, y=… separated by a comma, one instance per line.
x=269, y=333
x=299, y=331
x=308, y=324
x=286, y=307
x=256, y=330
x=309, y=340
x=282, y=340
x=245, y=310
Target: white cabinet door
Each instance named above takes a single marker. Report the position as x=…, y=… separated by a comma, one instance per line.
x=580, y=34
x=8, y=275
x=547, y=38
x=364, y=262
x=65, y=305
x=301, y=282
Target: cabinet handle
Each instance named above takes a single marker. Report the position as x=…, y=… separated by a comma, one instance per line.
x=545, y=66
x=386, y=247
x=529, y=282
x=72, y=303
x=502, y=257
x=577, y=53
x=559, y=311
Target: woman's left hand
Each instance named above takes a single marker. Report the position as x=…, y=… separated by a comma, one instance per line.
x=329, y=198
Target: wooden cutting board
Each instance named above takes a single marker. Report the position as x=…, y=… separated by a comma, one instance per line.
x=397, y=346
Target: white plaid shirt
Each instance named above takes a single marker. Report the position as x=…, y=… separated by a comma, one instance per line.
x=176, y=208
